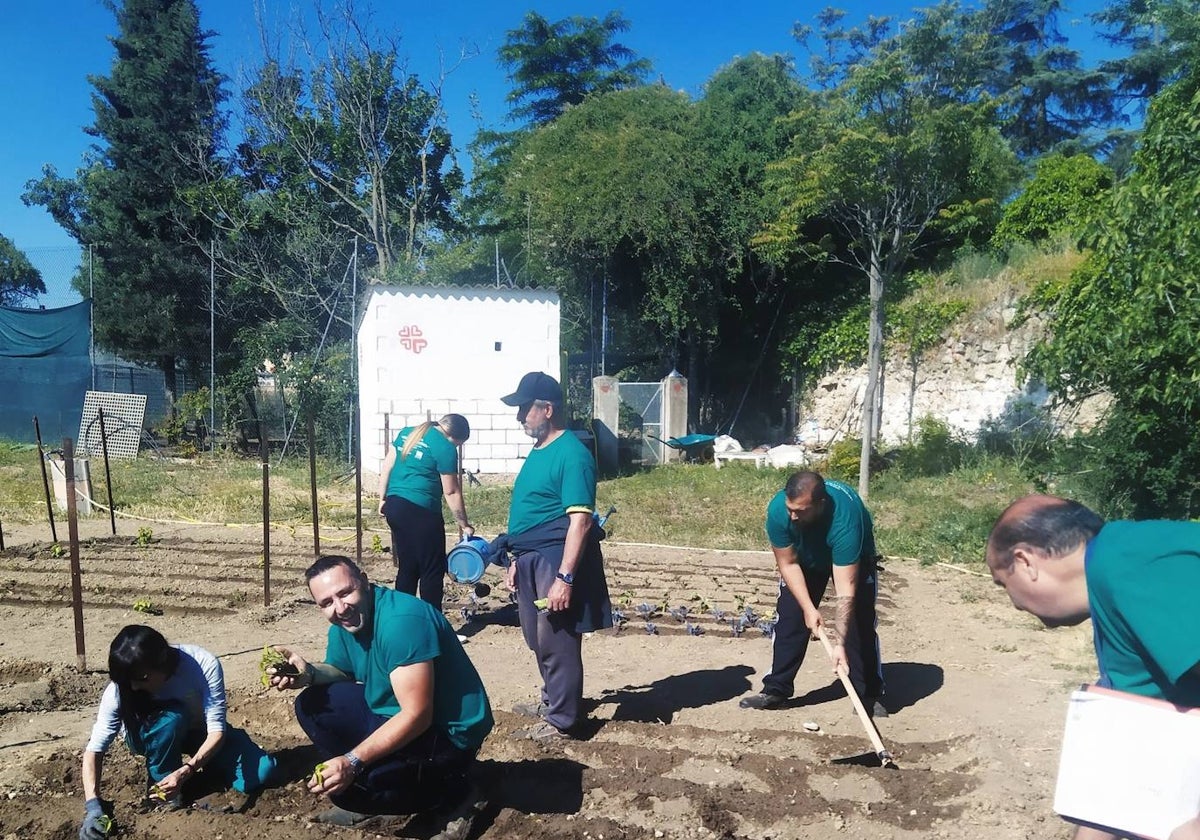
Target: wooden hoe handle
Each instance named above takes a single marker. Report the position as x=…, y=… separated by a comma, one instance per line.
x=885, y=757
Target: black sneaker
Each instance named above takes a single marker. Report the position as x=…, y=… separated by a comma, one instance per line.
x=462, y=816
x=765, y=700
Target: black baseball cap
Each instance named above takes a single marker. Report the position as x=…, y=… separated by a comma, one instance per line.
x=535, y=385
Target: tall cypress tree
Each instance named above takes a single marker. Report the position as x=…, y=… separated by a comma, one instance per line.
x=157, y=125
x=1047, y=96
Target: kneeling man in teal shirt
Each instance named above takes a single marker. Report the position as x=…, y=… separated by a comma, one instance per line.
x=397, y=705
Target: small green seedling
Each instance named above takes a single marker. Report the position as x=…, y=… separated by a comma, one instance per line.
x=278, y=665
x=542, y=603
x=57, y=550
x=319, y=774
x=157, y=792
x=106, y=823
x=376, y=544
x=145, y=536
x=145, y=605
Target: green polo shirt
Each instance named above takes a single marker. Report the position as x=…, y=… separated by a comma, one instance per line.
x=404, y=631
x=1143, y=579
x=418, y=477
x=556, y=479
x=842, y=536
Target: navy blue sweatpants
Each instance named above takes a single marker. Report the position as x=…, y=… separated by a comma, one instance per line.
x=556, y=646
x=425, y=773
x=792, y=636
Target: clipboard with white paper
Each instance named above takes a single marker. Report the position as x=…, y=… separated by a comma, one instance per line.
x=1129, y=763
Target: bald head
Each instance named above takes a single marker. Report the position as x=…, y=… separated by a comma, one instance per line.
x=1048, y=524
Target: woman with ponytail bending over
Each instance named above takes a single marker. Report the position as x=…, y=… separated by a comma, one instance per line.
x=421, y=467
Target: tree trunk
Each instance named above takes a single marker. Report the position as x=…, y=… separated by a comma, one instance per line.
x=696, y=384
x=874, y=370
x=170, y=382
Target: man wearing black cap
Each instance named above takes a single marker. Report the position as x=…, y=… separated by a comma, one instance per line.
x=557, y=556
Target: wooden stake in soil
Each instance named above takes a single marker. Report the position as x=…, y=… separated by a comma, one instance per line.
x=37, y=430
x=357, y=490
x=312, y=483
x=266, y=494
x=73, y=532
x=112, y=510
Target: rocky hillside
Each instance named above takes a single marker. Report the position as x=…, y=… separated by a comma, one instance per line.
x=967, y=378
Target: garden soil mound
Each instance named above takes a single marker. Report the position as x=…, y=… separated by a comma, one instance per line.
x=977, y=692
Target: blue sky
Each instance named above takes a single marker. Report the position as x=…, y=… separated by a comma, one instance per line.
x=48, y=49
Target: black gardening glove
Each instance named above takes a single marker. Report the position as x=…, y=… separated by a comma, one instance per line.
x=97, y=820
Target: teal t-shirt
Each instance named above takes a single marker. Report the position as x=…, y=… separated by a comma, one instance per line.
x=418, y=477
x=843, y=535
x=556, y=479
x=405, y=631
x=1143, y=579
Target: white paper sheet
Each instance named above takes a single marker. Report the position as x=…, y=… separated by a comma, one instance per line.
x=1128, y=763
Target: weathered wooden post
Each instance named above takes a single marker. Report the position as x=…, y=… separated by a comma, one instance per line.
x=37, y=430
x=266, y=507
x=76, y=573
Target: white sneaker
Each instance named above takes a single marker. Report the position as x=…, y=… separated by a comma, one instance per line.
x=462, y=640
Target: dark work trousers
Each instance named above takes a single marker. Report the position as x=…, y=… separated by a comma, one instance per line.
x=425, y=773
x=792, y=637
x=556, y=646
x=419, y=548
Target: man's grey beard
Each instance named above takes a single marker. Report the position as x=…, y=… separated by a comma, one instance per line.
x=539, y=432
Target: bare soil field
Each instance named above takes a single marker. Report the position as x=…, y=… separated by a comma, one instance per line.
x=977, y=692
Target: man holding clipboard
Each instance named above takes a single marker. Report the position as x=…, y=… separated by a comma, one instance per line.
x=1137, y=581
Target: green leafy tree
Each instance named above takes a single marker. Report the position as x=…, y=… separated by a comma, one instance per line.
x=551, y=66
x=157, y=117
x=19, y=280
x=358, y=133
x=613, y=179
x=738, y=131
x=876, y=164
x=1062, y=198
x=556, y=64
x=1157, y=38
x=1126, y=322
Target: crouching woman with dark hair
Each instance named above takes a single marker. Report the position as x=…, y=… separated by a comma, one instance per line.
x=169, y=701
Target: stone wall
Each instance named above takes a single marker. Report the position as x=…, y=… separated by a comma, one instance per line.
x=966, y=380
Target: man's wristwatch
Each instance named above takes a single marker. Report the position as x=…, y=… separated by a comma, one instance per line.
x=566, y=577
x=354, y=761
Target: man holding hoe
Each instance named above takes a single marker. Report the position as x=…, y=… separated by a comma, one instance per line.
x=820, y=528
x=397, y=706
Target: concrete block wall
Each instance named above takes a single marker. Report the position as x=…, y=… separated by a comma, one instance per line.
x=498, y=444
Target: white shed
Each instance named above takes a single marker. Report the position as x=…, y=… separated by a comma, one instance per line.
x=428, y=351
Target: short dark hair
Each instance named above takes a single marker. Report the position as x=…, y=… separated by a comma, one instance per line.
x=803, y=483
x=1050, y=524
x=331, y=561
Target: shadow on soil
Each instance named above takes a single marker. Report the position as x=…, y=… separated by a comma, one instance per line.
x=659, y=700
x=907, y=684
